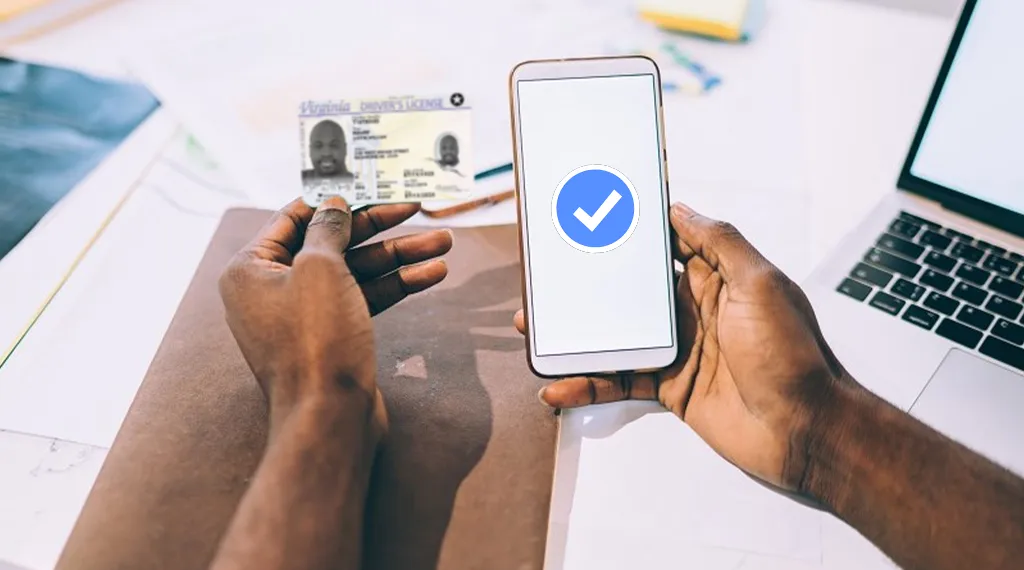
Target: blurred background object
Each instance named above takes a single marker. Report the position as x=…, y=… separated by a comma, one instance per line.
x=946, y=8
x=56, y=125
x=21, y=20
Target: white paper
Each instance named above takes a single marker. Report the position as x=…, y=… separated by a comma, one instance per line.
x=237, y=86
x=745, y=132
x=45, y=483
x=35, y=268
x=634, y=465
x=76, y=373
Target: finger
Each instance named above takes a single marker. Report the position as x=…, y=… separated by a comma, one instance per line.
x=371, y=261
x=384, y=292
x=281, y=237
x=331, y=227
x=584, y=391
x=719, y=244
x=519, y=320
x=369, y=222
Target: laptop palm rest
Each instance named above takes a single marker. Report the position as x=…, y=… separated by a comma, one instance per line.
x=978, y=404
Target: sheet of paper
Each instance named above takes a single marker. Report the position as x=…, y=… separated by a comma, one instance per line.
x=236, y=85
x=634, y=465
x=38, y=264
x=44, y=483
x=773, y=219
x=746, y=131
x=75, y=374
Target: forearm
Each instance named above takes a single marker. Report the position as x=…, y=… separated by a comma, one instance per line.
x=304, y=507
x=925, y=500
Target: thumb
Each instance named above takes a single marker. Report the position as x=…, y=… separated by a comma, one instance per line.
x=718, y=243
x=330, y=230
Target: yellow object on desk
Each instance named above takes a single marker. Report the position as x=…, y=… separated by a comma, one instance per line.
x=11, y=8
x=729, y=20
x=23, y=20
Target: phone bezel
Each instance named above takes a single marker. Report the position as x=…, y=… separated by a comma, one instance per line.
x=608, y=362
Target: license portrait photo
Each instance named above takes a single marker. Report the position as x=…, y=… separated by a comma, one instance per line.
x=326, y=143
x=446, y=153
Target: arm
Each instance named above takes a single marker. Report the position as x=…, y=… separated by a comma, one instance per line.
x=757, y=381
x=923, y=499
x=298, y=301
x=304, y=508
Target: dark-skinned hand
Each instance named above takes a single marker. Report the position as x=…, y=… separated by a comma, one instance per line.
x=300, y=296
x=754, y=375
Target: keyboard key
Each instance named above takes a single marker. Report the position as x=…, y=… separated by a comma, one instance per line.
x=973, y=274
x=886, y=260
x=887, y=303
x=904, y=228
x=941, y=303
x=969, y=293
x=975, y=317
x=959, y=333
x=1000, y=265
x=854, y=289
x=908, y=290
x=1008, y=331
x=872, y=275
x=919, y=220
x=959, y=235
x=921, y=317
x=939, y=261
x=1003, y=352
x=936, y=280
x=1015, y=256
x=991, y=247
x=935, y=239
x=1004, y=307
x=1004, y=287
x=1020, y=275
x=965, y=251
x=900, y=246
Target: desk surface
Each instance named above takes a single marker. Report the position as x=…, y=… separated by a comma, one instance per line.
x=864, y=75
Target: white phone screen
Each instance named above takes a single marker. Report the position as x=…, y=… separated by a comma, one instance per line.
x=595, y=214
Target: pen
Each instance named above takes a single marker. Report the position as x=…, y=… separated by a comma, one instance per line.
x=493, y=171
x=471, y=205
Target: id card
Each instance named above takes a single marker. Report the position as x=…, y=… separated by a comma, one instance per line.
x=379, y=151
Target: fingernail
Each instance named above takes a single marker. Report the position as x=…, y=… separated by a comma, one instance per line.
x=335, y=203
x=450, y=233
x=678, y=209
x=540, y=395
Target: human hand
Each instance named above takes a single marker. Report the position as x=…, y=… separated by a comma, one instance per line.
x=754, y=377
x=299, y=298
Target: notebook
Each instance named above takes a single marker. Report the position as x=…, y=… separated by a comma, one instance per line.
x=463, y=482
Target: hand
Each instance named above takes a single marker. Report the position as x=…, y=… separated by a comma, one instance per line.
x=754, y=376
x=299, y=299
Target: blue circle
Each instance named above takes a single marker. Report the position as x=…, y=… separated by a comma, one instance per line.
x=586, y=191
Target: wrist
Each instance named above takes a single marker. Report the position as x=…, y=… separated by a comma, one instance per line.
x=832, y=438
x=333, y=408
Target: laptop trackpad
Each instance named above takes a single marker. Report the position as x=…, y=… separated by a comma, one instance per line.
x=979, y=404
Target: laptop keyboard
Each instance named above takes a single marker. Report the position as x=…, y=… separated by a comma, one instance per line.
x=945, y=281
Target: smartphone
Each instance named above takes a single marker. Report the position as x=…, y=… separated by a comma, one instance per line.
x=592, y=192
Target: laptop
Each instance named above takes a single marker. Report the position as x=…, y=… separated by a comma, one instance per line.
x=923, y=301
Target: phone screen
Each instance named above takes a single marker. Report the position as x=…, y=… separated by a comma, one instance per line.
x=595, y=214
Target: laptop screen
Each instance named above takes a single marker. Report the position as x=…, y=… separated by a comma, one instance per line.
x=973, y=142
